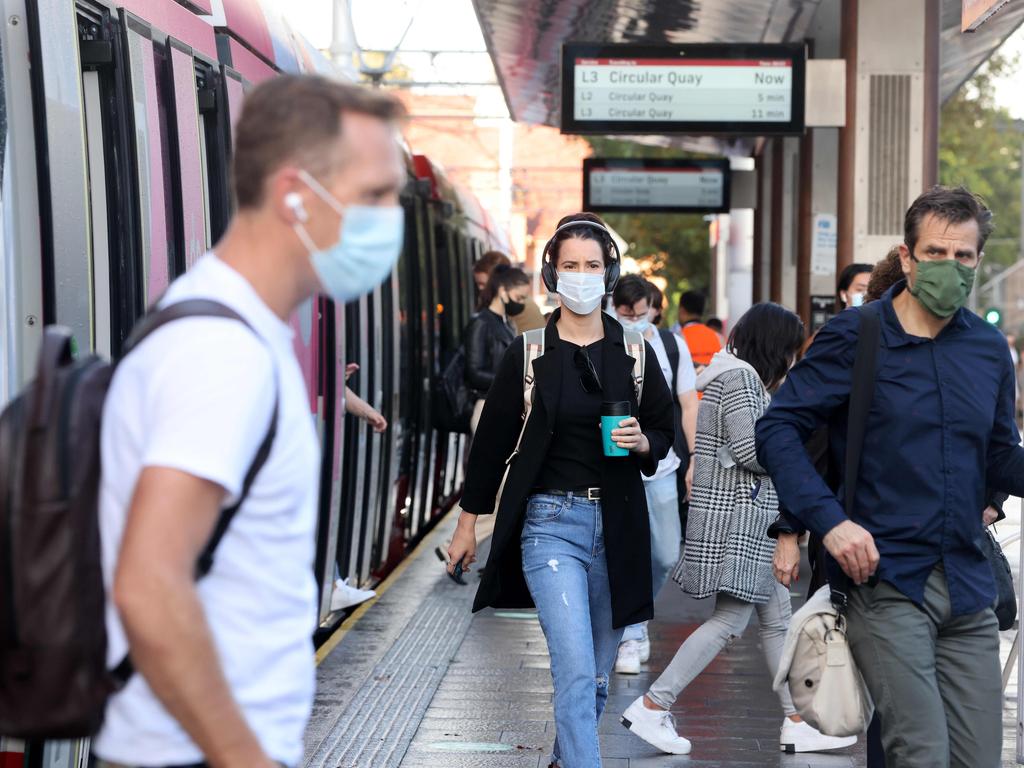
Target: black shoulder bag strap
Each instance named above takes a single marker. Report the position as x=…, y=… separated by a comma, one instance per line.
x=149, y=324
x=679, y=439
x=862, y=391
x=669, y=340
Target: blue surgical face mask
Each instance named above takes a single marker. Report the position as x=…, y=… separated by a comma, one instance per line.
x=856, y=299
x=640, y=325
x=369, y=244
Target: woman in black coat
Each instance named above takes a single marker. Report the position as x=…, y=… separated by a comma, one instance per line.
x=490, y=332
x=572, y=534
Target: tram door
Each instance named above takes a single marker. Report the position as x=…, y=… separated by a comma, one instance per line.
x=354, y=469
x=391, y=327
x=420, y=284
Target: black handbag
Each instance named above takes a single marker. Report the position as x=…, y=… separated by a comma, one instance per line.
x=1006, y=599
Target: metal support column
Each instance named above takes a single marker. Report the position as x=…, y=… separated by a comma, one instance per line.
x=805, y=221
x=930, y=128
x=778, y=190
x=847, y=140
x=756, y=283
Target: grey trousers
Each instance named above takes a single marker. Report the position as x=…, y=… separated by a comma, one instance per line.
x=730, y=618
x=934, y=677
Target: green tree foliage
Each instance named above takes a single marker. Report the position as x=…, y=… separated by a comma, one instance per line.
x=672, y=246
x=980, y=147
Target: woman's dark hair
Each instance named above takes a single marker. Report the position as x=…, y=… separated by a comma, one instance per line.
x=582, y=233
x=885, y=275
x=489, y=261
x=847, y=275
x=502, y=276
x=768, y=336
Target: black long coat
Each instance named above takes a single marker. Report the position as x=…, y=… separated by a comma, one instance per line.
x=623, y=501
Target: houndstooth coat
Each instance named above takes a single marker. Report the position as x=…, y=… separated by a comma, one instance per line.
x=733, y=500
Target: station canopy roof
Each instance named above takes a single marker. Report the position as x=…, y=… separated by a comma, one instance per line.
x=525, y=39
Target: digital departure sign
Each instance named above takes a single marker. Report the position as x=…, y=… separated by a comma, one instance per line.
x=620, y=185
x=749, y=89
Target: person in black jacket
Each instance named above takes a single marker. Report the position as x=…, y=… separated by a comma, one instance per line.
x=490, y=331
x=572, y=533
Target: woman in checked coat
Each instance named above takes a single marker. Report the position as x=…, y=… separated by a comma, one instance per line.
x=728, y=554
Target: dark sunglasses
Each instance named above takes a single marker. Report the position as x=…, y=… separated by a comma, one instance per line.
x=589, y=379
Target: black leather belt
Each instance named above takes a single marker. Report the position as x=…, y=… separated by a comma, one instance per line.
x=591, y=494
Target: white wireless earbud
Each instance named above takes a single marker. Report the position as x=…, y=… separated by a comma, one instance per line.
x=294, y=201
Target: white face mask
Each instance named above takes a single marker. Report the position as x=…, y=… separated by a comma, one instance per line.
x=856, y=299
x=640, y=325
x=581, y=292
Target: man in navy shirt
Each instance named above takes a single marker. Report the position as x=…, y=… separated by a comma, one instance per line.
x=941, y=428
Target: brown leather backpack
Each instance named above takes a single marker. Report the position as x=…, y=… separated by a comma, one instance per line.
x=54, y=681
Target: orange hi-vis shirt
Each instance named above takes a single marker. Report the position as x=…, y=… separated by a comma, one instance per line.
x=702, y=342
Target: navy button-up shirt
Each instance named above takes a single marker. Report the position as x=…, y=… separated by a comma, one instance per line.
x=941, y=424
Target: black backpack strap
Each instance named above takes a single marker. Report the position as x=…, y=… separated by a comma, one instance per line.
x=158, y=318
x=669, y=340
x=205, y=562
x=146, y=326
x=862, y=391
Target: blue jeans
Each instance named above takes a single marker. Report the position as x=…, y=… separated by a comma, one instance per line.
x=565, y=568
x=666, y=533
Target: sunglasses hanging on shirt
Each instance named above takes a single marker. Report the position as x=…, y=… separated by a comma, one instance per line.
x=589, y=379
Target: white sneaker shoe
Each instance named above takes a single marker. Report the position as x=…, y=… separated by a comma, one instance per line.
x=644, y=650
x=344, y=596
x=801, y=737
x=627, y=662
x=645, y=645
x=655, y=726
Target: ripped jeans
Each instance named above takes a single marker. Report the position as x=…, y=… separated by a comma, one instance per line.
x=565, y=568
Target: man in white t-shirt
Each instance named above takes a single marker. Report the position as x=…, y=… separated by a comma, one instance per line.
x=225, y=672
x=632, y=302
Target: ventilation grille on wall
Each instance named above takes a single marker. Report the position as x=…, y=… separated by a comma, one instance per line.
x=889, y=153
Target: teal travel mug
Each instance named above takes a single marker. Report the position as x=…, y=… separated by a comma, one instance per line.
x=611, y=415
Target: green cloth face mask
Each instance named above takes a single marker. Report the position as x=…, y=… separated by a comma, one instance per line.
x=942, y=287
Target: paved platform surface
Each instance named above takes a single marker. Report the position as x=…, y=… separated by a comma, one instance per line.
x=418, y=683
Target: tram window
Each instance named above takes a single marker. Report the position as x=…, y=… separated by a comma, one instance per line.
x=98, y=200
x=157, y=236
x=194, y=212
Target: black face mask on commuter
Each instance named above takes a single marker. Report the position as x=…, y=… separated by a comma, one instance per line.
x=513, y=308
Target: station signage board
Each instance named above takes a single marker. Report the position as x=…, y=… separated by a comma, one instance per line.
x=740, y=89
x=634, y=185
x=974, y=13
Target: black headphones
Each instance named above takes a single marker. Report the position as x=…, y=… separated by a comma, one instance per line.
x=549, y=274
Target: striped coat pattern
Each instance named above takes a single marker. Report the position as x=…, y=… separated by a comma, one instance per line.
x=733, y=502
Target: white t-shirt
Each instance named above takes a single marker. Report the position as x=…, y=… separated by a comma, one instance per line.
x=686, y=381
x=197, y=396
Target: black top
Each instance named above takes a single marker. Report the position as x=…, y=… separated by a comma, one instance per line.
x=575, y=456
x=487, y=337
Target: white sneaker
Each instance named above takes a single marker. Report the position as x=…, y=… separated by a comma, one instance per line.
x=645, y=645
x=655, y=726
x=644, y=650
x=801, y=737
x=627, y=662
x=344, y=596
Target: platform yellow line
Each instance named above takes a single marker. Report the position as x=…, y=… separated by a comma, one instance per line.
x=346, y=626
